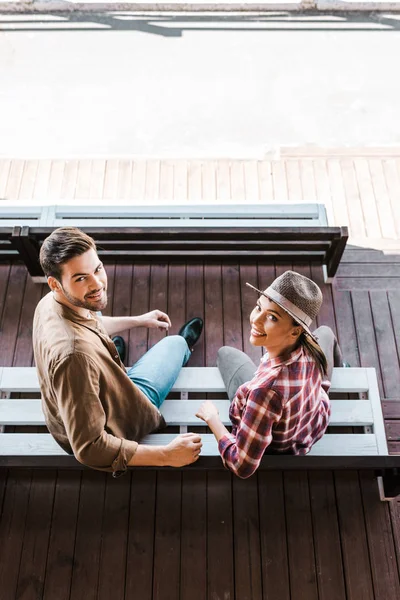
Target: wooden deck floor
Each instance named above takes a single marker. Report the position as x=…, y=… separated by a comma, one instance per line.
x=172, y=535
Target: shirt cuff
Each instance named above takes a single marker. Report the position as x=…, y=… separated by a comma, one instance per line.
x=126, y=452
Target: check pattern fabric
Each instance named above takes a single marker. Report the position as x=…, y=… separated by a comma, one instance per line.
x=284, y=409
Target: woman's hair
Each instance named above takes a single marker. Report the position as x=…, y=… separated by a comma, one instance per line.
x=62, y=245
x=315, y=350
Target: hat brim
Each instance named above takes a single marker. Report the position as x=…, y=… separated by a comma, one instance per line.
x=288, y=311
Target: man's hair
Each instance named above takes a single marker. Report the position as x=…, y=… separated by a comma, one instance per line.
x=62, y=245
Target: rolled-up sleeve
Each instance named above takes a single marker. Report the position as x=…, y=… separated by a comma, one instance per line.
x=243, y=450
x=76, y=386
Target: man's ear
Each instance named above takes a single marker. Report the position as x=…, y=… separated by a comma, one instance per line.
x=54, y=285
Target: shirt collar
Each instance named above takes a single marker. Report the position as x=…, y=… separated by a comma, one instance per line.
x=68, y=313
x=295, y=355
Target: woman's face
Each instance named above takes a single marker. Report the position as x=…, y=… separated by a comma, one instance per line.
x=272, y=327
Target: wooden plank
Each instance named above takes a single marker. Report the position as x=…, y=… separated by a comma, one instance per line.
x=232, y=330
x=369, y=270
x=14, y=179
x=273, y=539
x=386, y=344
x=178, y=412
x=223, y=179
x=365, y=333
x=114, y=532
x=353, y=536
x=110, y=188
x=23, y=353
x=195, y=192
x=62, y=536
x=28, y=180
x=307, y=179
x=382, y=199
x=5, y=166
x=391, y=409
x=302, y=570
x=56, y=178
x=208, y=379
x=36, y=536
x=140, y=547
x=152, y=185
x=367, y=197
x=158, y=297
x=166, y=180
x=392, y=178
x=12, y=527
x=356, y=217
x=251, y=184
x=124, y=180
x=97, y=179
x=246, y=527
x=326, y=315
x=193, y=577
x=138, y=338
x=323, y=192
x=138, y=182
x=195, y=307
x=295, y=192
x=394, y=306
x=237, y=181
x=122, y=296
x=176, y=296
x=180, y=180
x=167, y=542
x=11, y=313
x=42, y=444
x=70, y=175
x=265, y=183
x=337, y=187
x=209, y=181
x=279, y=181
x=394, y=508
x=82, y=190
x=42, y=180
x=110, y=271
x=393, y=431
x=385, y=575
x=213, y=312
x=85, y=575
x=248, y=299
x=220, y=545
x=360, y=284
x=328, y=556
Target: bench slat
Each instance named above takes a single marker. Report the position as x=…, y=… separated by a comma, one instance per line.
x=42, y=444
x=182, y=412
x=190, y=379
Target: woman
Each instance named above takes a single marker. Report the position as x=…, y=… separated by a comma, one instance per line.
x=282, y=406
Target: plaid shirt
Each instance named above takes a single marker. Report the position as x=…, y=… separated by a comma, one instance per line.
x=284, y=409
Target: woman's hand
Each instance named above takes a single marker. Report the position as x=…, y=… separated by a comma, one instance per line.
x=154, y=319
x=207, y=411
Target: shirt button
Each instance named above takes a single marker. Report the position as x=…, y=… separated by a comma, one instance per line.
x=116, y=356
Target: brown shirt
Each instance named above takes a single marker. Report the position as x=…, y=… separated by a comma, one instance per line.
x=91, y=407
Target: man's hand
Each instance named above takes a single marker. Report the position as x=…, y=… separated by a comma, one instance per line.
x=183, y=450
x=207, y=410
x=154, y=319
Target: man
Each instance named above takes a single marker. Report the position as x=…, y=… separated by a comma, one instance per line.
x=92, y=406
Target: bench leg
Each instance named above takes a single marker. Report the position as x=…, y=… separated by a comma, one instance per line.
x=183, y=428
x=4, y=396
x=389, y=484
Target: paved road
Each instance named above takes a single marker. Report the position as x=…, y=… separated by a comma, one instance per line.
x=196, y=86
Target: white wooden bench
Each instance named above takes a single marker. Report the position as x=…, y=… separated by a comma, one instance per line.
x=366, y=449
x=190, y=232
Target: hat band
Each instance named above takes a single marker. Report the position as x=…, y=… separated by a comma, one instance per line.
x=285, y=303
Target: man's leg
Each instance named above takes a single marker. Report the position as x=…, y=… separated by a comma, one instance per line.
x=235, y=367
x=330, y=347
x=156, y=372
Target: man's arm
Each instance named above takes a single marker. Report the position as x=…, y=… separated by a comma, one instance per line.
x=153, y=319
x=183, y=450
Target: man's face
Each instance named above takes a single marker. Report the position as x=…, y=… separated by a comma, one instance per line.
x=83, y=282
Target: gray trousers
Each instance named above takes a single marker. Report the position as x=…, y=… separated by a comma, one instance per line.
x=236, y=367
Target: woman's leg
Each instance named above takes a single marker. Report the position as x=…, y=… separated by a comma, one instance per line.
x=235, y=367
x=330, y=347
x=156, y=372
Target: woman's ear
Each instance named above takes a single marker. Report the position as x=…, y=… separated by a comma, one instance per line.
x=296, y=332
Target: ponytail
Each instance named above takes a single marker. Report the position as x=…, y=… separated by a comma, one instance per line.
x=313, y=348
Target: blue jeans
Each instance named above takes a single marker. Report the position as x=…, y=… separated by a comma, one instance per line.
x=156, y=372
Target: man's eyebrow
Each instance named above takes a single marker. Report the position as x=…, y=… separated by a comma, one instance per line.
x=82, y=274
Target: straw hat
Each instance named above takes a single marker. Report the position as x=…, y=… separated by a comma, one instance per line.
x=300, y=297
